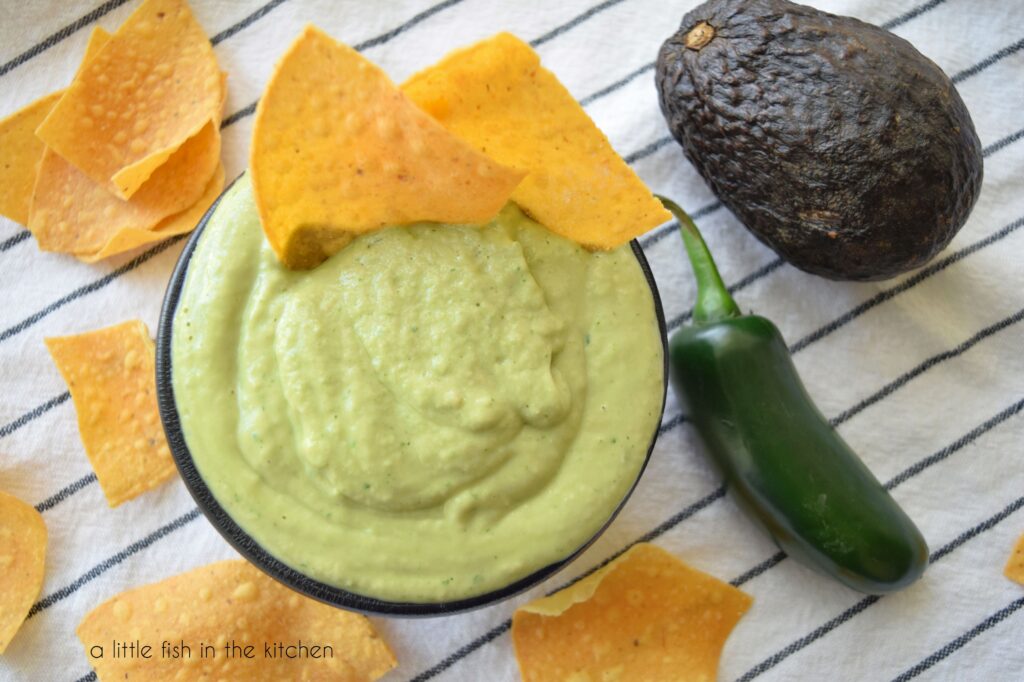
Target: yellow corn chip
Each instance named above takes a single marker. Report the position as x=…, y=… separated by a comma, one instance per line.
x=22, y=556
x=338, y=150
x=153, y=86
x=645, y=616
x=1015, y=564
x=72, y=214
x=497, y=96
x=21, y=150
x=110, y=373
x=231, y=602
x=179, y=223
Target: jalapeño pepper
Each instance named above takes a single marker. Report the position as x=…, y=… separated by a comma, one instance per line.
x=783, y=462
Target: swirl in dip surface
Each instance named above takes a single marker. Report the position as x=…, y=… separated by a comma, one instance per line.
x=433, y=413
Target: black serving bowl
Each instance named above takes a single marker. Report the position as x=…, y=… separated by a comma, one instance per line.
x=249, y=548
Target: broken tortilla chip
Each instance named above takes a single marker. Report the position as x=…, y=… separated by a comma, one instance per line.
x=338, y=150
x=497, y=96
x=232, y=603
x=645, y=616
x=20, y=149
x=1015, y=564
x=179, y=223
x=110, y=373
x=22, y=559
x=72, y=214
x=153, y=86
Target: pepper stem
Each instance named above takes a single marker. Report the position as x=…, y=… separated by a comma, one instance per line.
x=713, y=300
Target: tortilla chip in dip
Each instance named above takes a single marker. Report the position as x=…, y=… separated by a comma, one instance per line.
x=645, y=616
x=1015, y=564
x=497, y=96
x=228, y=606
x=110, y=374
x=154, y=85
x=22, y=558
x=338, y=150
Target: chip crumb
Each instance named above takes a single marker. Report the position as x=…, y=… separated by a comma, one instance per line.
x=1015, y=564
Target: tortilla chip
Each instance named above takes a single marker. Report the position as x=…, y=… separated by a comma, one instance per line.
x=1015, y=564
x=231, y=601
x=645, y=616
x=496, y=96
x=72, y=214
x=179, y=223
x=22, y=556
x=21, y=150
x=338, y=150
x=152, y=87
x=110, y=373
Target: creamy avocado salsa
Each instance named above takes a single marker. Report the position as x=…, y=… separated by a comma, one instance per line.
x=433, y=413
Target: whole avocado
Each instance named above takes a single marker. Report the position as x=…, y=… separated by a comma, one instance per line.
x=835, y=142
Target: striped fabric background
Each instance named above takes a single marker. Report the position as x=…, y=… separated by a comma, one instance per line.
x=922, y=374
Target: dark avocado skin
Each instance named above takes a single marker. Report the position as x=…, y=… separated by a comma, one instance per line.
x=835, y=142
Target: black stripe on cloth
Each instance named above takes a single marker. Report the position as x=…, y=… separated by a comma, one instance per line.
x=15, y=240
x=89, y=677
x=8, y=429
x=821, y=631
x=667, y=229
x=65, y=492
x=955, y=645
x=908, y=473
x=910, y=14
x=60, y=35
x=89, y=288
x=246, y=22
x=706, y=501
x=904, y=379
x=569, y=25
x=1005, y=142
x=607, y=90
x=989, y=61
x=648, y=150
x=104, y=566
x=920, y=276
x=506, y=625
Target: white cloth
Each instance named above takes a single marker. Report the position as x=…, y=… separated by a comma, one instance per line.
x=936, y=354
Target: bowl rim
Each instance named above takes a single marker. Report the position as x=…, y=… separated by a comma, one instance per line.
x=264, y=560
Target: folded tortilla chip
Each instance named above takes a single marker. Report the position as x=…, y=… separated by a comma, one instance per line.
x=1015, y=564
x=644, y=616
x=20, y=149
x=151, y=88
x=73, y=214
x=338, y=150
x=179, y=223
x=111, y=376
x=22, y=559
x=497, y=96
x=231, y=602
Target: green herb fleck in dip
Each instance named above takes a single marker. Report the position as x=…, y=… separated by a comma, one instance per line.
x=433, y=413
